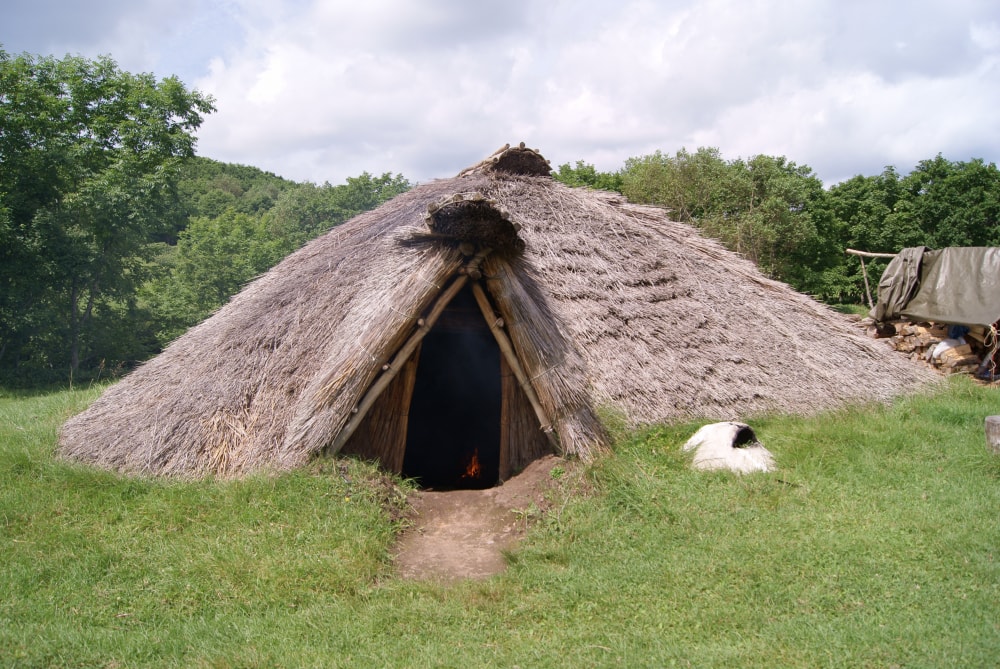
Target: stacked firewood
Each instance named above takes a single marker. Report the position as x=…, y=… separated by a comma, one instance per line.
x=930, y=343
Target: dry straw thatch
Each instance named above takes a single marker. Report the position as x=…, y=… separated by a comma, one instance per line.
x=602, y=303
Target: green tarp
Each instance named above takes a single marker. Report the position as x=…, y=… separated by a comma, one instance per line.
x=959, y=285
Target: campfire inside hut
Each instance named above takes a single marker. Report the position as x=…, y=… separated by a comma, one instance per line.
x=473, y=469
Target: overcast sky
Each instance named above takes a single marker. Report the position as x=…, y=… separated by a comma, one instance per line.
x=320, y=90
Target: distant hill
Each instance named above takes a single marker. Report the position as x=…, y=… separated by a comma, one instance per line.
x=209, y=187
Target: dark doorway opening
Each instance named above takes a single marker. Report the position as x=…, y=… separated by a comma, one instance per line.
x=453, y=430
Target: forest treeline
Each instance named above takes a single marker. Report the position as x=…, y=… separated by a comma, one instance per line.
x=115, y=238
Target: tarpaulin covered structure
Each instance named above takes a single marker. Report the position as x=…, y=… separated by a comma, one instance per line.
x=958, y=285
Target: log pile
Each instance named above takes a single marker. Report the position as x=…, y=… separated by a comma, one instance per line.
x=920, y=341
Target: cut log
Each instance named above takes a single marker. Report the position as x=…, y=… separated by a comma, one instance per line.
x=953, y=355
x=926, y=340
x=933, y=330
x=902, y=345
x=979, y=335
x=964, y=361
x=967, y=368
x=993, y=433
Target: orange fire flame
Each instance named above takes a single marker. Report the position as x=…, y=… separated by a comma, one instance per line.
x=473, y=469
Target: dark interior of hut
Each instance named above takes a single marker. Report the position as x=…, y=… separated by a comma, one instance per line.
x=453, y=430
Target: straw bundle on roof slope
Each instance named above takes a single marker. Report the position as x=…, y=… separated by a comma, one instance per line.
x=605, y=303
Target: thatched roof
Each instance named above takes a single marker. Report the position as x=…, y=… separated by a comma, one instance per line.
x=607, y=304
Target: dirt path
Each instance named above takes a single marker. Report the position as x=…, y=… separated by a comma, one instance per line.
x=461, y=534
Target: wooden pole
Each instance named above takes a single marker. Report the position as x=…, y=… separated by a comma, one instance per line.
x=503, y=341
x=868, y=291
x=867, y=254
x=864, y=270
x=993, y=433
x=397, y=364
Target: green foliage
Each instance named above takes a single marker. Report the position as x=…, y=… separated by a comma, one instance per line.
x=586, y=175
x=767, y=215
x=692, y=186
x=114, y=238
x=874, y=545
x=306, y=211
x=867, y=206
x=89, y=157
x=767, y=209
x=219, y=255
x=939, y=204
x=866, y=211
x=954, y=203
x=207, y=188
x=216, y=256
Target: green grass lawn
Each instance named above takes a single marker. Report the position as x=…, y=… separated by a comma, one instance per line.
x=877, y=544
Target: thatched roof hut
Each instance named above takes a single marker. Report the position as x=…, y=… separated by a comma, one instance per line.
x=574, y=298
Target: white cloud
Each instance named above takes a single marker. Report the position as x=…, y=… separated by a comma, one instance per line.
x=986, y=36
x=322, y=90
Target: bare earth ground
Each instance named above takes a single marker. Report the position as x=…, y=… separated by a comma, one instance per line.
x=461, y=534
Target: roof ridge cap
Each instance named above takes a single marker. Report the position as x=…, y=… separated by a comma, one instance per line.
x=512, y=160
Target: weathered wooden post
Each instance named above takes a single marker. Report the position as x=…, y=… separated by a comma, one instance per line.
x=993, y=433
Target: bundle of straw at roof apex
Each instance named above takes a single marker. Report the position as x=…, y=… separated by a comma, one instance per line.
x=518, y=160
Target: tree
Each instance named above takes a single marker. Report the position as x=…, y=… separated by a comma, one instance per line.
x=767, y=208
x=866, y=213
x=216, y=256
x=308, y=210
x=953, y=203
x=939, y=204
x=691, y=185
x=208, y=188
x=586, y=175
x=88, y=158
x=770, y=210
